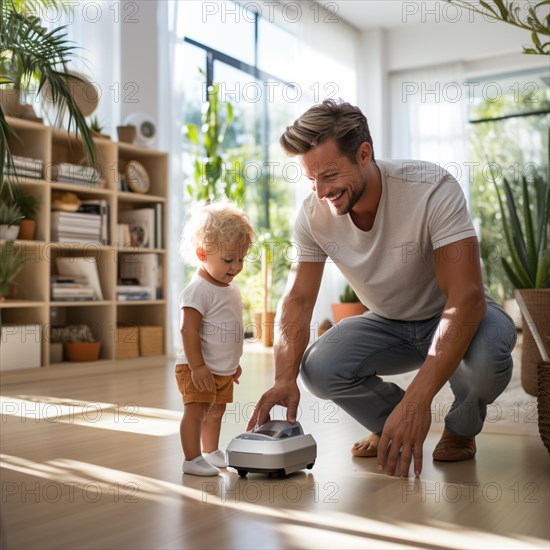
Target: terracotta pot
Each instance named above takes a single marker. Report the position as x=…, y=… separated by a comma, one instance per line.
x=27, y=229
x=268, y=328
x=82, y=351
x=126, y=134
x=348, y=309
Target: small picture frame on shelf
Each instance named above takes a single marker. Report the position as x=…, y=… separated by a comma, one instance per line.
x=137, y=177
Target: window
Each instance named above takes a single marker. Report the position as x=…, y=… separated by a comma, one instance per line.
x=247, y=58
x=509, y=119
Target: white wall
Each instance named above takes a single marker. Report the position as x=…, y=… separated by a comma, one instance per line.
x=416, y=45
x=482, y=46
x=140, y=86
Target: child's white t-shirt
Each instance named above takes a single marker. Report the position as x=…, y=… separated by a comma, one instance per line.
x=221, y=331
x=391, y=267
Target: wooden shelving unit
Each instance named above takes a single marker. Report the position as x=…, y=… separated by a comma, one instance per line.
x=33, y=304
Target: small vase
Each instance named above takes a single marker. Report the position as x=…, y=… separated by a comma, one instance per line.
x=9, y=232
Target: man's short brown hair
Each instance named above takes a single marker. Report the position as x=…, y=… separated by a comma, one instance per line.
x=337, y=120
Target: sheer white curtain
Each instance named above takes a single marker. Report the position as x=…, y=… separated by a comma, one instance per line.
x=429, y=118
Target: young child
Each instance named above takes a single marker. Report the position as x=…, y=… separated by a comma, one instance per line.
x=218, y=238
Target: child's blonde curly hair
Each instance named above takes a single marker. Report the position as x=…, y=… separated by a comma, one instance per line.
x=214, y=225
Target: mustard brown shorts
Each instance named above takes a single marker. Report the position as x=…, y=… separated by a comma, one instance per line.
x=222, y=394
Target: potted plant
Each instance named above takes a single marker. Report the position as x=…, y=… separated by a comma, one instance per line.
x=10, y=218
x=97, y=129
x=526, y=228
x=349, y=305
x=31, y=52
x=80, y=344
x=274, y=268
x=11, y=262
x=215, y=174
x=28, y=206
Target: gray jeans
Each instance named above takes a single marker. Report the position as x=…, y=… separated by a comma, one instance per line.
x=346, y=365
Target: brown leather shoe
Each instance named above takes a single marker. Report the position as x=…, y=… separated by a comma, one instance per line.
x=454, y=448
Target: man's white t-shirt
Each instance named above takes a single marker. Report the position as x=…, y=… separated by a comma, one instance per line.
x=391, y=267
x=221, y=331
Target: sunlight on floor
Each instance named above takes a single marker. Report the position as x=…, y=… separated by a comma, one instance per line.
x=329, y=530
x=126, y=417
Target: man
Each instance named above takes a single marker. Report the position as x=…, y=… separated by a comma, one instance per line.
x=401, y=235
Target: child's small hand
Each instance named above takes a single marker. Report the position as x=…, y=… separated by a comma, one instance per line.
x=203, y=379
x=237, y=374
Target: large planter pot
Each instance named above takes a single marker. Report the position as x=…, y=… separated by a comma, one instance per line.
x=347, y=309
x=537, y=303
x=543, y=400
x=82, y=351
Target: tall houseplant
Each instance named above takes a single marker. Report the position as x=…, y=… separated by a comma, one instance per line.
x=215, y=174
x=526, y=229
x=28, y=51
x=348, y=306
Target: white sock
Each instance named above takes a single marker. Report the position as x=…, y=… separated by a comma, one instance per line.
x=199, y=467
x=216, y=458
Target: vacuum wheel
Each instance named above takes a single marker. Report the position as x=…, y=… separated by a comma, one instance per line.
x=309, y=466
x=243, y=473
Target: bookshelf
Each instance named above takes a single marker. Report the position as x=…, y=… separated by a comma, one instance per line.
x=33, y=304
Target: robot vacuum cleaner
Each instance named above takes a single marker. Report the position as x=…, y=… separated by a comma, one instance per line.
x=277, y=447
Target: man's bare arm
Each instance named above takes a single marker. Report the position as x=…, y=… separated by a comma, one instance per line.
x=458, y=274
x=293, y=322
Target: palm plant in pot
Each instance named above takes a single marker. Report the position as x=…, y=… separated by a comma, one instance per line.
x=526, y=228
x=10, y=218
x=11, y=262
x=30, y=52
x=26, y=205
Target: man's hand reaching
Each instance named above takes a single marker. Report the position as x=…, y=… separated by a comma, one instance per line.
x=405, y=430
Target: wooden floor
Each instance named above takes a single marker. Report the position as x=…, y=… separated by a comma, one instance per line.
x=94, y=461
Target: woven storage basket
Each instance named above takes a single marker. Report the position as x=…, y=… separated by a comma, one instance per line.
x=151, y=341
x=126, y=342
x=543, y=399
x=538, y=304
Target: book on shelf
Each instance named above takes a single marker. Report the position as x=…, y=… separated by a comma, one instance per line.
x=158, y=225
x=25, y=167
x=67, y=172
x=127, y=292
x=67, y=288
x=145, y=270
x=99, y=207
x=70, y=231
x=89, y=224
x=81, y=268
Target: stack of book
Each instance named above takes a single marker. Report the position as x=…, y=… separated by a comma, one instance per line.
x=89, y=225
x=79, y=271
x=76, y=173
x=25, y=167
x=76, y=227
x=127, y=292
x=71, y=289
x=140, y=277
